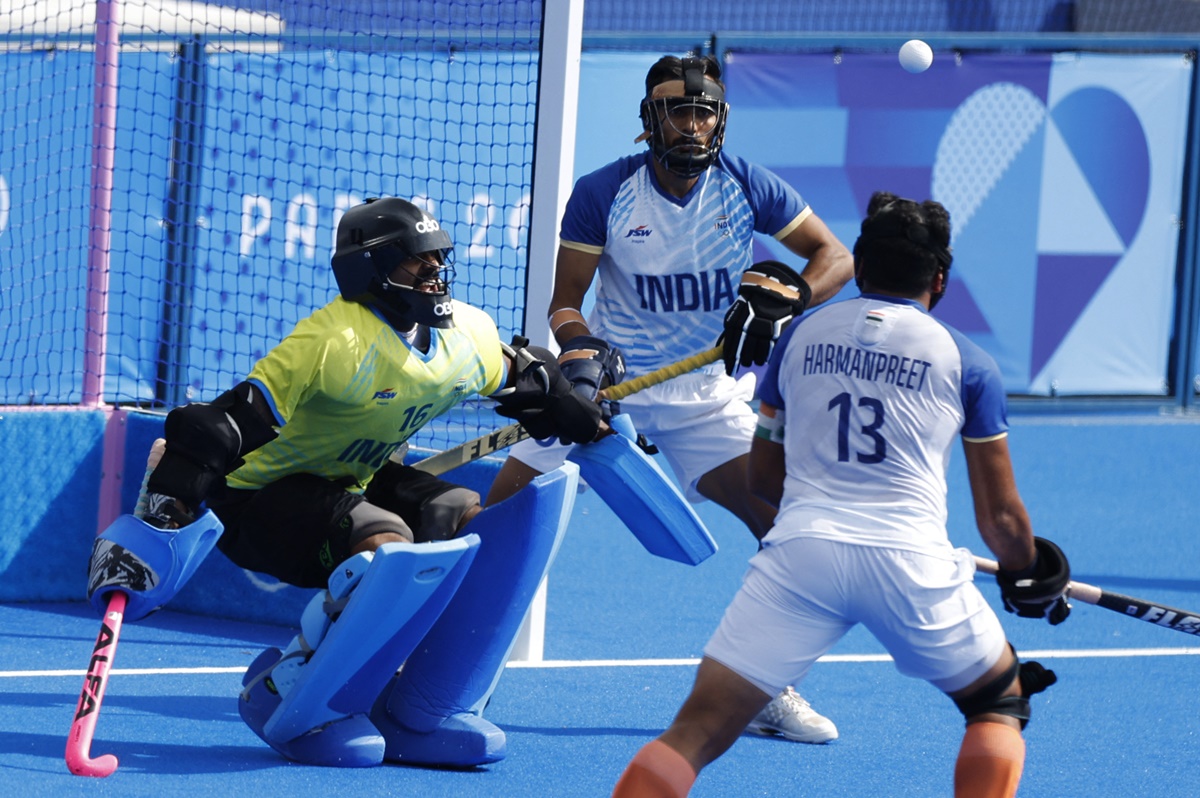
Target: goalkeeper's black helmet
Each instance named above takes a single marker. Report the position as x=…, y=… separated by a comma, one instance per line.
x=381, y=234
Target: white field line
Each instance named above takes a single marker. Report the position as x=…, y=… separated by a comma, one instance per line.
x=1086, y=653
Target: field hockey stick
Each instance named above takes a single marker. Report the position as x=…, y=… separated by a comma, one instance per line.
x=1158, y=614
x=87, y=711
x=504, y=437
x=623, y=389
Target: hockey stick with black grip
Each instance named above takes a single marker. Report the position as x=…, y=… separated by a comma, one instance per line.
x=504, y=437
x=87, y=711
x=1140, y=609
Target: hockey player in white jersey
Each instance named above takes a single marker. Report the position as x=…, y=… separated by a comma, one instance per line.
x=860, y=405
x=667, y=236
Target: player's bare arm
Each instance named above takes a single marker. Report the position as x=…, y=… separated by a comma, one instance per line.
x=574, y=271
x=829, y=264
x=999, y=512
x=765, y=472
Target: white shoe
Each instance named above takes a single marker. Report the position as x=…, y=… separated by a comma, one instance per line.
x=788, y=715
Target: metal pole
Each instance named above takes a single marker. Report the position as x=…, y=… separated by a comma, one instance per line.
x=553, y=154
x=104, y=130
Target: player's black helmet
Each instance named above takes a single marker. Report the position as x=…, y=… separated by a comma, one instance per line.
x=698, y=117
x=903, y=245
x=379, y=235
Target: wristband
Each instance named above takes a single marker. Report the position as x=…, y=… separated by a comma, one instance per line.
x=567, y=315
x=770, y=428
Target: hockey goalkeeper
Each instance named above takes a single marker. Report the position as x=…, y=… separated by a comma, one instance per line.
x=294, y=464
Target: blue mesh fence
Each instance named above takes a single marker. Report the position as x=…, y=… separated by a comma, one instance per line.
x=243, y=131
x=241, y=135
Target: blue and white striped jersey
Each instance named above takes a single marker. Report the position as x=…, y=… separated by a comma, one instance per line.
x=669, y=267
x=874, y=392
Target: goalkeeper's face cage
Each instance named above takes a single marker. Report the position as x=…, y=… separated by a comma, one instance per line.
x=390, y=252
x=417, y=288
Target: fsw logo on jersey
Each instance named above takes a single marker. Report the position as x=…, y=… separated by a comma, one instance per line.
x=385, y=395
x=641, y=231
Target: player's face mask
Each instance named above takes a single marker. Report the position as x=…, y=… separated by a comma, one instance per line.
x=426, y=272
x=416, y=288
x=685, y=123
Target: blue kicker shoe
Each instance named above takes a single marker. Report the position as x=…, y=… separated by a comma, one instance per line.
x=462, y=740
x=351, y=742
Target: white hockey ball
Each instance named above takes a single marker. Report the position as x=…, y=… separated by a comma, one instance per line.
x=915, y=55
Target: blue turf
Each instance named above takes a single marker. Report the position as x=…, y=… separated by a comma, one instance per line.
x=1117, y=495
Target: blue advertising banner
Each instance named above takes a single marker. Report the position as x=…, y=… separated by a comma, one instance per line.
x=297, y=138
x=45, y=182
x=1063, y=175
x=43, y=224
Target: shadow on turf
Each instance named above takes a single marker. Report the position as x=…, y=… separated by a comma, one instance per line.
x=582, y=731
x=231, y=633
x=202, y=708
x=143, y=757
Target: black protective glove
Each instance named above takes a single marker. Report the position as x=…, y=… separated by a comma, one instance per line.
x=1039, y=591
x=591, y=364
x=544, y=402
x=770, y=296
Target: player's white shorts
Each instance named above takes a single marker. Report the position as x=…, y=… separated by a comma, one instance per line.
x=699, y=421
x=801, y=596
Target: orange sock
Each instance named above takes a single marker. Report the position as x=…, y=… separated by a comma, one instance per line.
x=657, y=771
x=990, y=762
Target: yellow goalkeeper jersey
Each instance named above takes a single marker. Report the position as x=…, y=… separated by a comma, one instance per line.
x=348, y=390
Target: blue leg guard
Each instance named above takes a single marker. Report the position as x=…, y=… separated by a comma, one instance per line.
x=321, y=718
x=350, y=742
x=430, y=713
x=150, y=565
x=643, y=497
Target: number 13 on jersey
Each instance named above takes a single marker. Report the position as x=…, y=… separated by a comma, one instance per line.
x=868, y=436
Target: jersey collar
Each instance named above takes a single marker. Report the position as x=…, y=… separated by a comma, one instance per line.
x=896, y=300
x=434, y=338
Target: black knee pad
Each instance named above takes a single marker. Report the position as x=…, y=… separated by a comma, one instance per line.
x=442, y=515
x=990, y=699
x=432, y=507
x=367, y=520
x=296, y=529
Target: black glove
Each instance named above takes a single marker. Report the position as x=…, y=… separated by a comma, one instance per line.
x=1039, y=591
x=769, y=297
x=591, y=363
x=544, y=402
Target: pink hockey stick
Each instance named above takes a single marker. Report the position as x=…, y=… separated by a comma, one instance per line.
x=79, y=741
x=87, y=711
